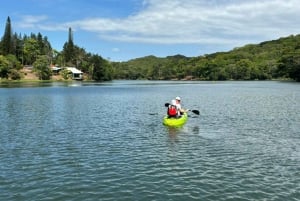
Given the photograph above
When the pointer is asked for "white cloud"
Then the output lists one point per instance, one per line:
(115, 49)
(30, 21)
(40, 22)
(195, 22)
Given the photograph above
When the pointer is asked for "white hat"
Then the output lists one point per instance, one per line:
(177, 98)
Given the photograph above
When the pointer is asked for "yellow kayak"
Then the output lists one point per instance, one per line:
(175, 122)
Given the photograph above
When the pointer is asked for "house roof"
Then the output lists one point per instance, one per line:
(55, 68)
(74, 70)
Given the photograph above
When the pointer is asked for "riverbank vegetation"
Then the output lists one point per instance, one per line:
(276, 59)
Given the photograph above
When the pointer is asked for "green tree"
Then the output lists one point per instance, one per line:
(44, 46)
(31, 50)
(19, 47)
(58, 58)
(290, 67)
(7, 43)
(9, 67)
(13, 62)
(243, 68)
(41, 67)
(101, 69)
(65, 73)
(69, 49)
(4, 67)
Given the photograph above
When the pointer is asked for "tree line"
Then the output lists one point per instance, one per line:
(276, 59)
(17, 50)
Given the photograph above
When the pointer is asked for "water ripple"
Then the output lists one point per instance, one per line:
(80, 143)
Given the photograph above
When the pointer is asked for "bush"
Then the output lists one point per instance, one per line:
(15, 75)
(65, 73)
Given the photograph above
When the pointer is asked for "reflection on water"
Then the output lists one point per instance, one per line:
(173, 133)
(177, 135)
(195, 130)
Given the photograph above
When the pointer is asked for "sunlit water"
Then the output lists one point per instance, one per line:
(88, 141)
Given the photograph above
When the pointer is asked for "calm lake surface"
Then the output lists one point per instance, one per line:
(92, 141)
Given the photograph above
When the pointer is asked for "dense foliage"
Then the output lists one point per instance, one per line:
(277, 59)
(35, 50)
(40, 66)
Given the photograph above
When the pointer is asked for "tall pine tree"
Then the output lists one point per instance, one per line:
(69, 49)
(7, 42)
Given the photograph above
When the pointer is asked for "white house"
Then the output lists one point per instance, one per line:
(76, 74)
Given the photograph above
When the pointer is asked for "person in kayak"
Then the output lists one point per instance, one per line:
(172, 110)
(178, 105)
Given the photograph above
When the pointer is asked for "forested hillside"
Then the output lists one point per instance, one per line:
(276, 59)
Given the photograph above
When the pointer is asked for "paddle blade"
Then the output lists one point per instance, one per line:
(196, 112)
(167, 104)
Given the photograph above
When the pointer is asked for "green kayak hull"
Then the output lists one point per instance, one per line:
(175, 121)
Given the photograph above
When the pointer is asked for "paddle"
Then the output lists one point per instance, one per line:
(194, 111)
(197, 112)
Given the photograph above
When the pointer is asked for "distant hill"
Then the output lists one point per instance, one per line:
(276, 59)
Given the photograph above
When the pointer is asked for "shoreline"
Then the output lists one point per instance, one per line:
(84, 80)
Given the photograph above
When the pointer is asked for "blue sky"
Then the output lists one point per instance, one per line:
(121, 30)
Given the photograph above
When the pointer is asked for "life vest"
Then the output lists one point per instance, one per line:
(172, 111)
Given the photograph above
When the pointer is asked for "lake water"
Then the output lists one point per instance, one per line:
(105, 141)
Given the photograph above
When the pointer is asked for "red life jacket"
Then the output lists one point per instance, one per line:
(172, 111)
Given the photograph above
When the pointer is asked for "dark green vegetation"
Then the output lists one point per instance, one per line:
(17, 51)
(277, 59)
